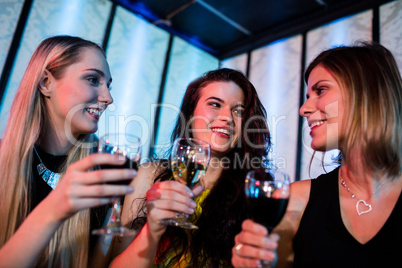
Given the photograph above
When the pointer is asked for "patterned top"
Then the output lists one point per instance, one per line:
(183, 263)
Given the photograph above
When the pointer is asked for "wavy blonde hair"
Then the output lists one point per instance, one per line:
(69, 246)
(372, 89)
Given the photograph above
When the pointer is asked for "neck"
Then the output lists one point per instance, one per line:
(55, 143)
(358, 180)
(213, 172)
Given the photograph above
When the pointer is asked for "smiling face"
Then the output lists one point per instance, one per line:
(324, 109)
(77, 99)
(217, 117)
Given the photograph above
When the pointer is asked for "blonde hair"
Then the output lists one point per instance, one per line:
(372, 89)
(69, 246)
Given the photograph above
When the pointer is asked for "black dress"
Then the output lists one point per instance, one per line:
(322, 240)
(40, 189)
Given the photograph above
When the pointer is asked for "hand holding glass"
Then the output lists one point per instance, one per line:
(128, 147)
(267, 193)
(189, 161)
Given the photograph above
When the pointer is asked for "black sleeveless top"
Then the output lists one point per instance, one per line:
(322, 240)
(40, 189)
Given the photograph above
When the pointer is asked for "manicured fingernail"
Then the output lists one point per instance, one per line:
(190, 211)
(130, 189)
(193, 204)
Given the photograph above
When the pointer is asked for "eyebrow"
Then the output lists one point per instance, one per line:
(220, 100)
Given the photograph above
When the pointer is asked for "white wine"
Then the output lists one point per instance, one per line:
(188, 173)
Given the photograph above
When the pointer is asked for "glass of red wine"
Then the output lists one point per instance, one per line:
(267, 193)
(189, 161)
(129, 148)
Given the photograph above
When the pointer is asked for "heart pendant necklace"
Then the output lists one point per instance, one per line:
(362, 207)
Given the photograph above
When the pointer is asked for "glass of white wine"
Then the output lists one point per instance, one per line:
(189, 161)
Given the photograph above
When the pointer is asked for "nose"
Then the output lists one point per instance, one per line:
(105, 96)
(226, 115)
(307, 108)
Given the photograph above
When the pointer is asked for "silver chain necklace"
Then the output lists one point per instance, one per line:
(50, 177)
(362, 207)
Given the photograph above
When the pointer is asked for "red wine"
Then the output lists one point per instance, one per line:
(267, 211)
(128, 164)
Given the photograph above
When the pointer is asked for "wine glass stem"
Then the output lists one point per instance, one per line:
(116, 211)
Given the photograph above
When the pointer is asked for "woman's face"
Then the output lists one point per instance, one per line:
(217, 117)
(79, 97)
(324, 109)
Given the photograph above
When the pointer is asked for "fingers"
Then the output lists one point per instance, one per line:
(99, 191)
(252, 245)
(172, 190)
(239, 261)
(256, 235)
(197, 189)
(78, 171)
(117, 176)
(97, 159)
(165, 199)
(253, 227)
(171, 196)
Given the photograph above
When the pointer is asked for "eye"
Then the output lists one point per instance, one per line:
(93, 80)
(215, 104)
(239, 112)
(318, 91)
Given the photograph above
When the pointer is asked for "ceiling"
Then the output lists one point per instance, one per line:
(225, 28)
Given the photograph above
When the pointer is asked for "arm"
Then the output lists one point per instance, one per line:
(77, 190)
(257, 246)
(133, 203)
(164, 200)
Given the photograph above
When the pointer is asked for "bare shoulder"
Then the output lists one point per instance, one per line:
(299, 193)
(299, 196)
(146, 176)
(144, 180)
(287, 228)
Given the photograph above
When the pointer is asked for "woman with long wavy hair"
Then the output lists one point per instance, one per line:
(46, 190)
(222, 108)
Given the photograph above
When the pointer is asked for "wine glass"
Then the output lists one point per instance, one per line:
(129, 148)
(189, 161)
(267, 193)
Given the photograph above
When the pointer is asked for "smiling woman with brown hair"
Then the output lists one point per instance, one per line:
(216, 108)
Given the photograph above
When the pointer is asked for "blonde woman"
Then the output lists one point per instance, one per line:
(46, 188)
(351, 216)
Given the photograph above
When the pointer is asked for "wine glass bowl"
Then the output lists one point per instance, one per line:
(267, 193)
(189, 161)
(127, 147)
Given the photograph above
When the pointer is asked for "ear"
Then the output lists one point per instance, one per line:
(45, 84)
